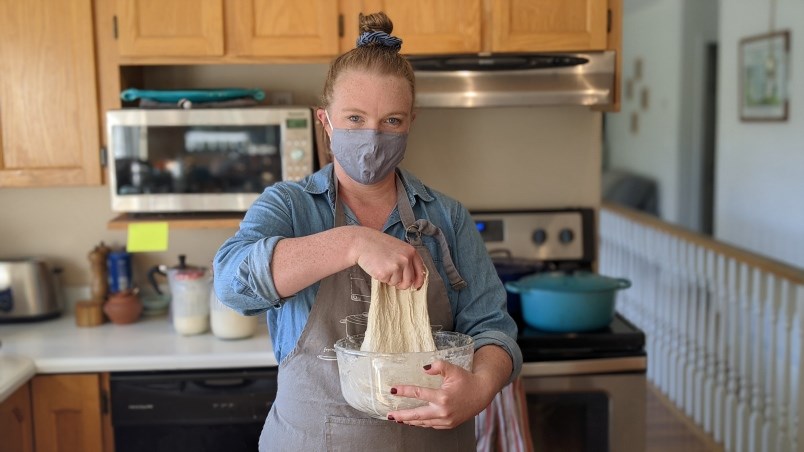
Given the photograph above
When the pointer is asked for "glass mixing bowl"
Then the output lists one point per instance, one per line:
(367, 377)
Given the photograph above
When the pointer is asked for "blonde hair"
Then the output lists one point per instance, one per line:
(376, 57)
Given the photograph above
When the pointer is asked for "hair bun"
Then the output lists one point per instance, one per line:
(379, 38)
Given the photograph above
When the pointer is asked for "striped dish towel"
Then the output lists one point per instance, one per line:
(503, 426)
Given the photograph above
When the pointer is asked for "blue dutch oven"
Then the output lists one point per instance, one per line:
(568, 302)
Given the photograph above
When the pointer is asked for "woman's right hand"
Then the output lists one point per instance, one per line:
(389, 259)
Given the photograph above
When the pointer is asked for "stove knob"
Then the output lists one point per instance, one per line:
(539, 236)
(565, 236)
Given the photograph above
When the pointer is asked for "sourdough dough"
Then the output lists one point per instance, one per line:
(398, 321)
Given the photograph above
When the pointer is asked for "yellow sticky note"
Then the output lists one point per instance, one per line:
(147, 237)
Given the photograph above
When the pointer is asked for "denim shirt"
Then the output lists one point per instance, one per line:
(243, 279)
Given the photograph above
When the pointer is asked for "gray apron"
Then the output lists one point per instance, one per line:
(309, 412)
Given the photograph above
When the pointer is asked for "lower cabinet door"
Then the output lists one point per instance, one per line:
(16, 428)
(67, 413)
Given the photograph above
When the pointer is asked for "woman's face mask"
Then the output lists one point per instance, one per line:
(367, 155)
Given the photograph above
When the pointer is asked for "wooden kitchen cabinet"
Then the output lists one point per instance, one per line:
(237, 31)
(49, 133)
(68, 413)
(283, 28)
(170, 28)
(155, 31)
(16, 423)
(433, 26)
(473, 26)
(548, 25)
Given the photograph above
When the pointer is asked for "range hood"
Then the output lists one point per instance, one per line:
(467, 81)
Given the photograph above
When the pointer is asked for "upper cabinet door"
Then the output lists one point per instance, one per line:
(433, 26)
(548, 25)
(170, 28)
(283, 28)
(49, 132)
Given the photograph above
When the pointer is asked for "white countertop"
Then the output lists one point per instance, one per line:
(59, 346)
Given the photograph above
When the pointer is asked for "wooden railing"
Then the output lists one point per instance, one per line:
(724, 328)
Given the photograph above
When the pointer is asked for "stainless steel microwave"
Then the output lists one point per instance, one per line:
(204, 160)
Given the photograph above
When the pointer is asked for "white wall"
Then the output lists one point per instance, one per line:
(699, 28)
(651, 32)
(759, 201)
(509, 158)
(670, 38)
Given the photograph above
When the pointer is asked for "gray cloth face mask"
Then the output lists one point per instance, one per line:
(367, 155)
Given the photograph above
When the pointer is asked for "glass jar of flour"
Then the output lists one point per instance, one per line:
(189, 296)
(227, 323)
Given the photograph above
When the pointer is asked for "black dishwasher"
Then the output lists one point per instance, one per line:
(198, 410)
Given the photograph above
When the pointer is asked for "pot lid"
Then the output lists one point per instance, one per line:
(185, 271)
(570, 282)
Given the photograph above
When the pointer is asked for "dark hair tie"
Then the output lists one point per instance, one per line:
(379, 37)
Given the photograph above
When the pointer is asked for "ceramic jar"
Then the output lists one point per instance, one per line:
(228, 324)
(123, 307)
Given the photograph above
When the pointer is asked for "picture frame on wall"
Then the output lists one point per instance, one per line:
(763, 79)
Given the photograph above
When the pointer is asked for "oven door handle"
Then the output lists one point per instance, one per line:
(585, 366)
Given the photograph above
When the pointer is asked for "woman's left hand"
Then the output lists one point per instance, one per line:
(462, 395)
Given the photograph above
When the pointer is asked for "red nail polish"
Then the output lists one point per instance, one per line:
(427, 366)
(399, 422)
(390, 418)
(393, 391)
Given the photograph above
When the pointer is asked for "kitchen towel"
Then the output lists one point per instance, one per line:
(503, 426)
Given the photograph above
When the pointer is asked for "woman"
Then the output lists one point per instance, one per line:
(306, 252)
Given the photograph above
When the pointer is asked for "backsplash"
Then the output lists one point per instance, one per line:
(486, 158)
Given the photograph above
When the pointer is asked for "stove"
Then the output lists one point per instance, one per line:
(583, 391)
(620, 339)
(524, 242)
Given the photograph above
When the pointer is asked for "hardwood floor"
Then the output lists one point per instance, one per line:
(669, 430)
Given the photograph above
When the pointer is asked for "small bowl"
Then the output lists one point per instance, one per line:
(155, 304)
(367, 377)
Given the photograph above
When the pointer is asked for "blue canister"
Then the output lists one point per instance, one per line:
(118, 266)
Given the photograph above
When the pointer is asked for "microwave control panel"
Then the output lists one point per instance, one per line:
(297, 152)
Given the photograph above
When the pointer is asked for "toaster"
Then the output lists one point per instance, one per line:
(30, 290)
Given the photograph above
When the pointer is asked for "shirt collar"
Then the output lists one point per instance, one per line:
(322, 182)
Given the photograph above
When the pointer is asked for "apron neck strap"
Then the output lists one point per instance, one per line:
(340, 216)
(403, 206)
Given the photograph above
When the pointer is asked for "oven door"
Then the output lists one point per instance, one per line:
(586, 413)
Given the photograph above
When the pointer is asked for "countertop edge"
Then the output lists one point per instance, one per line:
(15, 371)
(154, 363)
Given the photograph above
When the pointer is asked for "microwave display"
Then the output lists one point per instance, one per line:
(296, 123)
(204, 160)
(196, 159)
